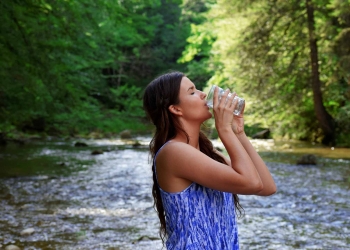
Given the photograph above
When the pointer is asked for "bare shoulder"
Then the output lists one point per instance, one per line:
(178, 155)
(176, 147)
(175, 151)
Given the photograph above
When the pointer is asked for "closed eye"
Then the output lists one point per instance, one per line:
(192, 90)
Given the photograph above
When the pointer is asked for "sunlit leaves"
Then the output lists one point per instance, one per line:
(263, 46)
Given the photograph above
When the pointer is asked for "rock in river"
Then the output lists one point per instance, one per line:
(125, 134)
(12, 247)
(307, 159)
(27, 231)
(97, 152)
(80, 144)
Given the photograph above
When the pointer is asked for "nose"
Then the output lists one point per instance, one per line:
(203, 95)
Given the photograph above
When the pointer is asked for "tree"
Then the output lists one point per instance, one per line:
(324, 118)
(196, 56)
(265, 45)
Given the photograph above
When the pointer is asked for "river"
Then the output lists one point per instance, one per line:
(67, 198)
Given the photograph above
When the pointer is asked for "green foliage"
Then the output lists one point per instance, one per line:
(76, 66)
(262, 47)
(196, 56)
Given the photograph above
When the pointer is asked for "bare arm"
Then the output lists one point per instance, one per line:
(179, 161)
(224, 123)
(269, 186)
(265, 175)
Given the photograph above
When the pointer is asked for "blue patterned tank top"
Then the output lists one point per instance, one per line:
(199, 218)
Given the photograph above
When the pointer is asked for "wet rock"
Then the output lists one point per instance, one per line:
(80, 144)
(39, 223)
(286, 146)
(125, 134)
(136, 144)
(12, 247)
(27, 231)
(97, 152)
(145, 237)
(265, 134)
(308, 159)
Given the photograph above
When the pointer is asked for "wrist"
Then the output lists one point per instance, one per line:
(224, 130)
(241, 134)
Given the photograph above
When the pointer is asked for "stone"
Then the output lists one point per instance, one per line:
(125, 134)
(308, 159)
(97, 152)
(27, 231)
(286, 146)
(12, 247)
(80, 144)
(136, 144)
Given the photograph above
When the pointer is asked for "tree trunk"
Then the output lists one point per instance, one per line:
(325, 120)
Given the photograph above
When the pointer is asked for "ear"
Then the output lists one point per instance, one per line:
(175, 110)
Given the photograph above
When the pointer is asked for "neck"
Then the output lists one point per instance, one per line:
(193, 133)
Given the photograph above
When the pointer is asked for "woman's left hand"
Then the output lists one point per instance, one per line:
(238, 121)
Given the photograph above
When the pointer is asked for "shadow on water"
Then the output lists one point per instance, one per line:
(71, 199)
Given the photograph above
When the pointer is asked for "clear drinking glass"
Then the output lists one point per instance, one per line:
(210, 97)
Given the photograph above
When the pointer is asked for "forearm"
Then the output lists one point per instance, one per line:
(264, 173)
(241, 162)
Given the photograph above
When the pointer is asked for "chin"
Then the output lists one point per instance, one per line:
(209, 116)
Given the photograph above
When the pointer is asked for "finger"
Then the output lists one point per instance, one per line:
(234, 103)
(232, 99)
(223, 100)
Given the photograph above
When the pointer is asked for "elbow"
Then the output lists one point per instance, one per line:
(272, 190)
(268, 191)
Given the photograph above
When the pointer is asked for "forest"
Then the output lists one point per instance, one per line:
(78, 68)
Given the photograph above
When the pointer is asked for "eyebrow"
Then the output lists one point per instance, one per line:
(191, 88)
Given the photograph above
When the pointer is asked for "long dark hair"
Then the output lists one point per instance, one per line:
(158, 96)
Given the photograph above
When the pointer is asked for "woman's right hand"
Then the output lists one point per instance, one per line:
(223, 110)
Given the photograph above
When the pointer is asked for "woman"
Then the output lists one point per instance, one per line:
(194, 183)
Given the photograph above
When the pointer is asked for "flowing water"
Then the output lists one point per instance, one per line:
(71, 199)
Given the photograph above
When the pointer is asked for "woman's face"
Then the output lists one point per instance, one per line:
(192, 102)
